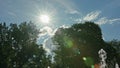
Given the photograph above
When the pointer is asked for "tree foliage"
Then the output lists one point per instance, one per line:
(79, 46)
(18, 48)
(116, 44)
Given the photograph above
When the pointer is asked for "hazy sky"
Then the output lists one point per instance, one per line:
(106, 13)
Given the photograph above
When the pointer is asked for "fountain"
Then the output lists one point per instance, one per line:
(103, 55)
(116, 65)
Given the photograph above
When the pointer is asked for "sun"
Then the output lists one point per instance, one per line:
(45, 18)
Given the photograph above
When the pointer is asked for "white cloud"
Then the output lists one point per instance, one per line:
(46, 31)
(64, 26)
(105, 20)
(72, 11)
(92, 16)
(114, 20)
(50, 47)
(48, 44)
(79, 20)
(101, 21)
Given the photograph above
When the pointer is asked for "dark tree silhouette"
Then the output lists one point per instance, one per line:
(79, 46)
(116, 44)
(18, 47)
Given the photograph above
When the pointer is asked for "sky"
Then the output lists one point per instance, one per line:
(64, 13)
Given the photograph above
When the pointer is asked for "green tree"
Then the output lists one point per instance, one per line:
(78, 46)
(116, 44)
(18, 47)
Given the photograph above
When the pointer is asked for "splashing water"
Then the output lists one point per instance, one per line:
(48, 67)
(103, 56)
(116, 65)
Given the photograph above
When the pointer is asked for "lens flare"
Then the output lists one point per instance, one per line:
(68, 42)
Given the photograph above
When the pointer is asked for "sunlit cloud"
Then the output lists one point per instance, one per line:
(46, 31)
(95, 16)
(92, 16)
(105, 20)
(114, 20)
(101, 21)
(46, 35)
(79, 20)
(64, 26)
(50, 33)
(72, 12)
(49, 45)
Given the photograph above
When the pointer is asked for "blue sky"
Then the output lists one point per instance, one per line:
(64, 12)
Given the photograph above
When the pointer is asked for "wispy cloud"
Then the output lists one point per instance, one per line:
(95, 16)
(68, 6)
(48, 43)
(72, 11)
(101, 21)
(46, 31)
(12, 14)
(92, 16)
(114, 20)
(49, 46)
(105, 20)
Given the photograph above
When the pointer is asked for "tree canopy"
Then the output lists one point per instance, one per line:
(18, 48)
(79, 46)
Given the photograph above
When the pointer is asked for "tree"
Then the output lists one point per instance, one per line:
(116, 44)
(18, 47)
(79, 45)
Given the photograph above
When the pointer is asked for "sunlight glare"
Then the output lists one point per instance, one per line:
(44, 18)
